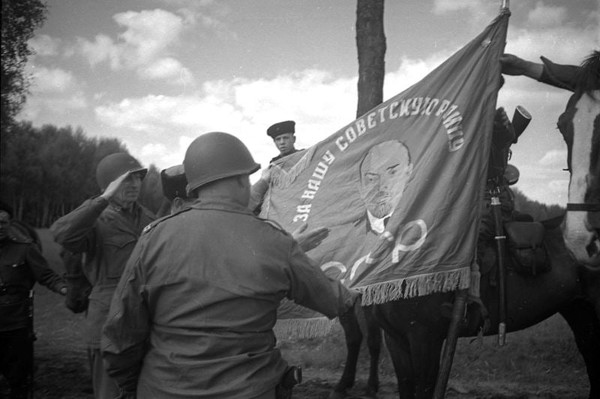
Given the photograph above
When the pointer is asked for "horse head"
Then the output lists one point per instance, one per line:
(580, 126)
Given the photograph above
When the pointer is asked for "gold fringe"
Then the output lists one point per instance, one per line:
(411, 287)
(290, 329)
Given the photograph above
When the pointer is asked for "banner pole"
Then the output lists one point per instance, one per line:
(500, 238)
(458, 311)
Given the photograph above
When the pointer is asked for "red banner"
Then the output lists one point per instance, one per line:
(401, 186)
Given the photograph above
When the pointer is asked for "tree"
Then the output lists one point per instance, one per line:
(371, 46)
(48, 171)
(20, 18)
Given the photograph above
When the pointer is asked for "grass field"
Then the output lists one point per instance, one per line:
(540, 362)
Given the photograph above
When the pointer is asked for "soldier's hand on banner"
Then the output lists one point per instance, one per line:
(310, 239)
(512, 65)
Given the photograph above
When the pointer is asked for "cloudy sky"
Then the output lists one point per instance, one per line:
(158, 73)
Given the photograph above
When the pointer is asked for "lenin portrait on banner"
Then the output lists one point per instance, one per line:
(384, 172)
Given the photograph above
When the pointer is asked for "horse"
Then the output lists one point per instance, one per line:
(415, 329)
(580, 127)
(354, 323)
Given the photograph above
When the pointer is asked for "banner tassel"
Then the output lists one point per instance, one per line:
(420, 285)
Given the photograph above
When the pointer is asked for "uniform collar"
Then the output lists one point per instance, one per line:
(223, 204)
(117, 208)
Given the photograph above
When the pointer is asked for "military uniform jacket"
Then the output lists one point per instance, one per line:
(107, 234)
(21, 265)
(194, 313)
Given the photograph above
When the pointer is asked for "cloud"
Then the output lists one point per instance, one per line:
(101, 49)
(162, 156)
(52, 80)
(443, 6)
(543, 15)
(553, 192)
(206, 13)
(44, 45)
(57, 106)
(143, 47)
(410, 72)
(168, 69)
(147, 34)
(553, 158)
(316, 100)
(559, 186)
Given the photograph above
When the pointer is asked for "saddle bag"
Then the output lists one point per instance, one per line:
(526, 247)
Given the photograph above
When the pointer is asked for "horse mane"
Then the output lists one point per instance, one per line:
(589, 75)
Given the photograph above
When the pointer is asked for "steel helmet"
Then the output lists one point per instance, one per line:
(214, 156)
(114, 165)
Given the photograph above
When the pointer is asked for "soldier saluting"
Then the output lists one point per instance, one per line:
(106, 228)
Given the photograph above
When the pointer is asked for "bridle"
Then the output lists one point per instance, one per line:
(583, 207)
(568, 137)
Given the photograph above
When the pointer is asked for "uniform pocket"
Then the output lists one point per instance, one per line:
(117, 249)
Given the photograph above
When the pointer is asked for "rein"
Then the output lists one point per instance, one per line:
(585, 207)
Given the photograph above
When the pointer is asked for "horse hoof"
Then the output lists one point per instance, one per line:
(337, 395)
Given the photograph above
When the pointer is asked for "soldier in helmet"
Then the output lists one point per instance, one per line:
(21, 266)
(106, 228)
(174, 185)
(193, 315)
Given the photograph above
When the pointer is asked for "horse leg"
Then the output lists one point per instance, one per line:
(353, 335)
(401, 359)
(581, 317)
(425, 348)
(374, 345)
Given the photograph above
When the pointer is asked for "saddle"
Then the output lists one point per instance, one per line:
(525, 246)
(525, 251)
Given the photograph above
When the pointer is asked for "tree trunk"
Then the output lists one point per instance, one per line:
(371, 46)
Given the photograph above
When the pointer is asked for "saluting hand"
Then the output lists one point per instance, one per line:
(114, 186)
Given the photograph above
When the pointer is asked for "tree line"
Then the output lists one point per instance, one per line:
(49, 171)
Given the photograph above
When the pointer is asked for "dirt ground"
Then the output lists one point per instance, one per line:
(541, 362)
(549, 369)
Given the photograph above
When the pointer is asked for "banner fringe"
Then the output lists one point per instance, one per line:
(316, 327)
(420, 285)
